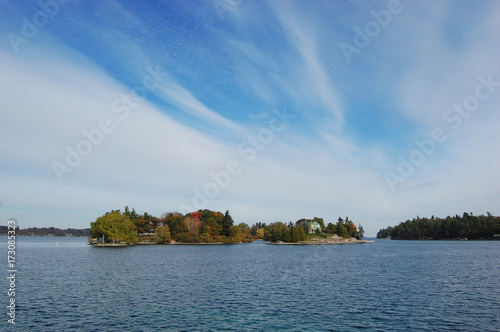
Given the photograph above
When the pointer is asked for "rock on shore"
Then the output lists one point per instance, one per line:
(334, 239)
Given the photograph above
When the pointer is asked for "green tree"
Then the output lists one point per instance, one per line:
(213, 227)
(274, 231)
(131, 214)
(294, 234)
(302, 234)
(174, 221)
(465, 226)
(227, 223)
(162, 234)
(304, 224)
(341, 231)
(234, 235)
(115, 227)
(285, 236)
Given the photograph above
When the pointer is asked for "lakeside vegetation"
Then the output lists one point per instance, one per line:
(203, 226)
(466, 226)
(302, 229)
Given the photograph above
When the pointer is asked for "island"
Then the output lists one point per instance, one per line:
(47, 231)
(314, 232)
(116, 229)
(465, 227)
(315, 239)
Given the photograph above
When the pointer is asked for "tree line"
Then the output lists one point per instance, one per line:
(457, 227)
(203, 226)
(47, 231)
(300, 230)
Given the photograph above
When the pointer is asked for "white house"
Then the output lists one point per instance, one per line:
(313, 226)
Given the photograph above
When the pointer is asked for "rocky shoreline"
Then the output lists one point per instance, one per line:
(150, 243)
(334, 239)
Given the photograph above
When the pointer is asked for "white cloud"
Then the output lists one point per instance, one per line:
(147, 155)
(303, 35)
(184, 99)
(153, 163)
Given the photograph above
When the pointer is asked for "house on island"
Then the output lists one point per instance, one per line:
(313, 226)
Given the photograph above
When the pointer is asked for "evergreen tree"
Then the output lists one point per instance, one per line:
(361, 232)
(286, 235)
(227, 222)
(341, 231)
(294, 234)
(302, 234)
(465, 226)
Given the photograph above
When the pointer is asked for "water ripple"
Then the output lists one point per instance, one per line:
(388, 285)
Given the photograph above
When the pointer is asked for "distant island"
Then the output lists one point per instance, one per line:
(465, 227)
(116, 228)
(314, 231)
(48, 231)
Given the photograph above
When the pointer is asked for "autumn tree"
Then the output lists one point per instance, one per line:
(210, 228)
(352, 230)
(193, 223)
(114, 226)
(174, 221)
(260, 233)
(234, 235)
(162, 234)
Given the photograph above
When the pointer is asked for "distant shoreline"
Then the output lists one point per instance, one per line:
(59, 236)
(456, 239)
(47, 231)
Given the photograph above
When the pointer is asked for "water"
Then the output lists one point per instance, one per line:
(65, 285)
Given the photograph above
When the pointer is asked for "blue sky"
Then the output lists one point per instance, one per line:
(251, 106)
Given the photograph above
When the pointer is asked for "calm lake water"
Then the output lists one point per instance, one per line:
(65, 285)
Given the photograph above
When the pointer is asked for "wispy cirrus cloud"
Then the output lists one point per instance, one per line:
(190, 104)
(222, 81)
